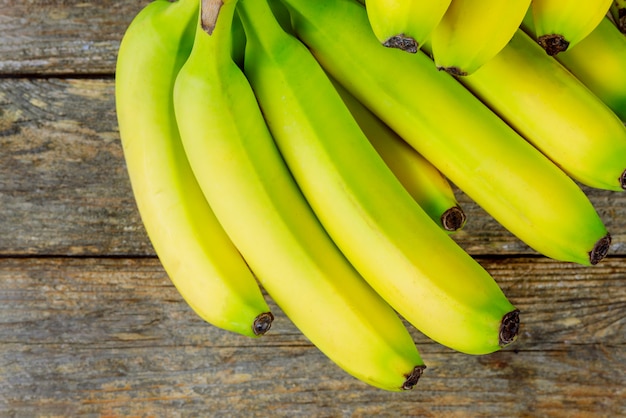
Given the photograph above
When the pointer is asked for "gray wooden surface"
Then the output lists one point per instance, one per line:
(91, 326)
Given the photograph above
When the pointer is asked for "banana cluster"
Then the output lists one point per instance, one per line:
(294, 147)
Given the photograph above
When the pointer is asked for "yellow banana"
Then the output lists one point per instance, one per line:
(405, 256)
(405, 24)
(428, 187)
(244, 178)
(521, 188)
(559, 25)
(599, 61)
(192, 246)
(618, 13)
(553, 110)
(474, 31)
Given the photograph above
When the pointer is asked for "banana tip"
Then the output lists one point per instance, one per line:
(553, 43)
(600, 250)
(402, 42)
(453, 219)
(262, 323)
(509, 328)
(413, 377)
(622, 180)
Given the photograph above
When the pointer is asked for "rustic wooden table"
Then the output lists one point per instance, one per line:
(91, 326)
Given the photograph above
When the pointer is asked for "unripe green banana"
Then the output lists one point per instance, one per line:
(599, 61)
(560, 25)
(426, 185)
(192, 246)
(555, 111)
(509, 178)
(405, 24)
(246, 181)
(405, 256)
(474, 31)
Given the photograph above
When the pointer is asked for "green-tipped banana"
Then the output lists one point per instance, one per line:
(405, 256)
(553, 110)
(405, 24)
(260, 206)
(496, 167)
(618, 13)
(191, 244)
(474, 31)
(559, 25)
(599, 61)
(428, 187)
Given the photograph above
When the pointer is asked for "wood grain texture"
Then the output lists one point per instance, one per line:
(62, 37)
(65, 190)
(111, 337)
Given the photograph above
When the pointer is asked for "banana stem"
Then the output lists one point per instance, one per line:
(209, 12)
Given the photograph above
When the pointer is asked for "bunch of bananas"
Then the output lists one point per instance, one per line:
(277, 145)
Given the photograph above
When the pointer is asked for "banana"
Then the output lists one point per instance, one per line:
(192, 246)
(474, 31)
(599, 61)
(555, 111)
(428, 187)
(405, 256)
(559, 25)
(618, 13)
(244, 178)
(405, 24)
(510, 179)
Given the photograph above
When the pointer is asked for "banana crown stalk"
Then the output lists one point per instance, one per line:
(253, 194)
(192, 246)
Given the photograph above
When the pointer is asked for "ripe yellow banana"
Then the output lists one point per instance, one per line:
(428, 187)
(555, 111)
(405, 24)
(521, 188)
(192, 246)
(618, 13)
(244, 178)
(559, 25)
(599, 61)
(405, 256)
(474, 31)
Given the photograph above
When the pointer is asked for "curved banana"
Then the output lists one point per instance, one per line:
(474, 31)
(405, 256)
(599, 61)
(426, 185)
(260, 206)
(618, 13)
(510, 179)
(404, 24)
(555, 111)
(559, 25)
(191, 244)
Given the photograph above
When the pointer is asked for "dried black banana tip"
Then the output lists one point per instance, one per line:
(453, 219)
(600, 250)
(262, 323)
(402, 42)
(509, 328)
(553, 44)
(622, 180)
(413, 377)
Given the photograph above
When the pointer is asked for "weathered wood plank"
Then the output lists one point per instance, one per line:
(63, 37)
(111, 337)
(64, 188)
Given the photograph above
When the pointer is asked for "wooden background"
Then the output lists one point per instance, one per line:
(91, 326)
